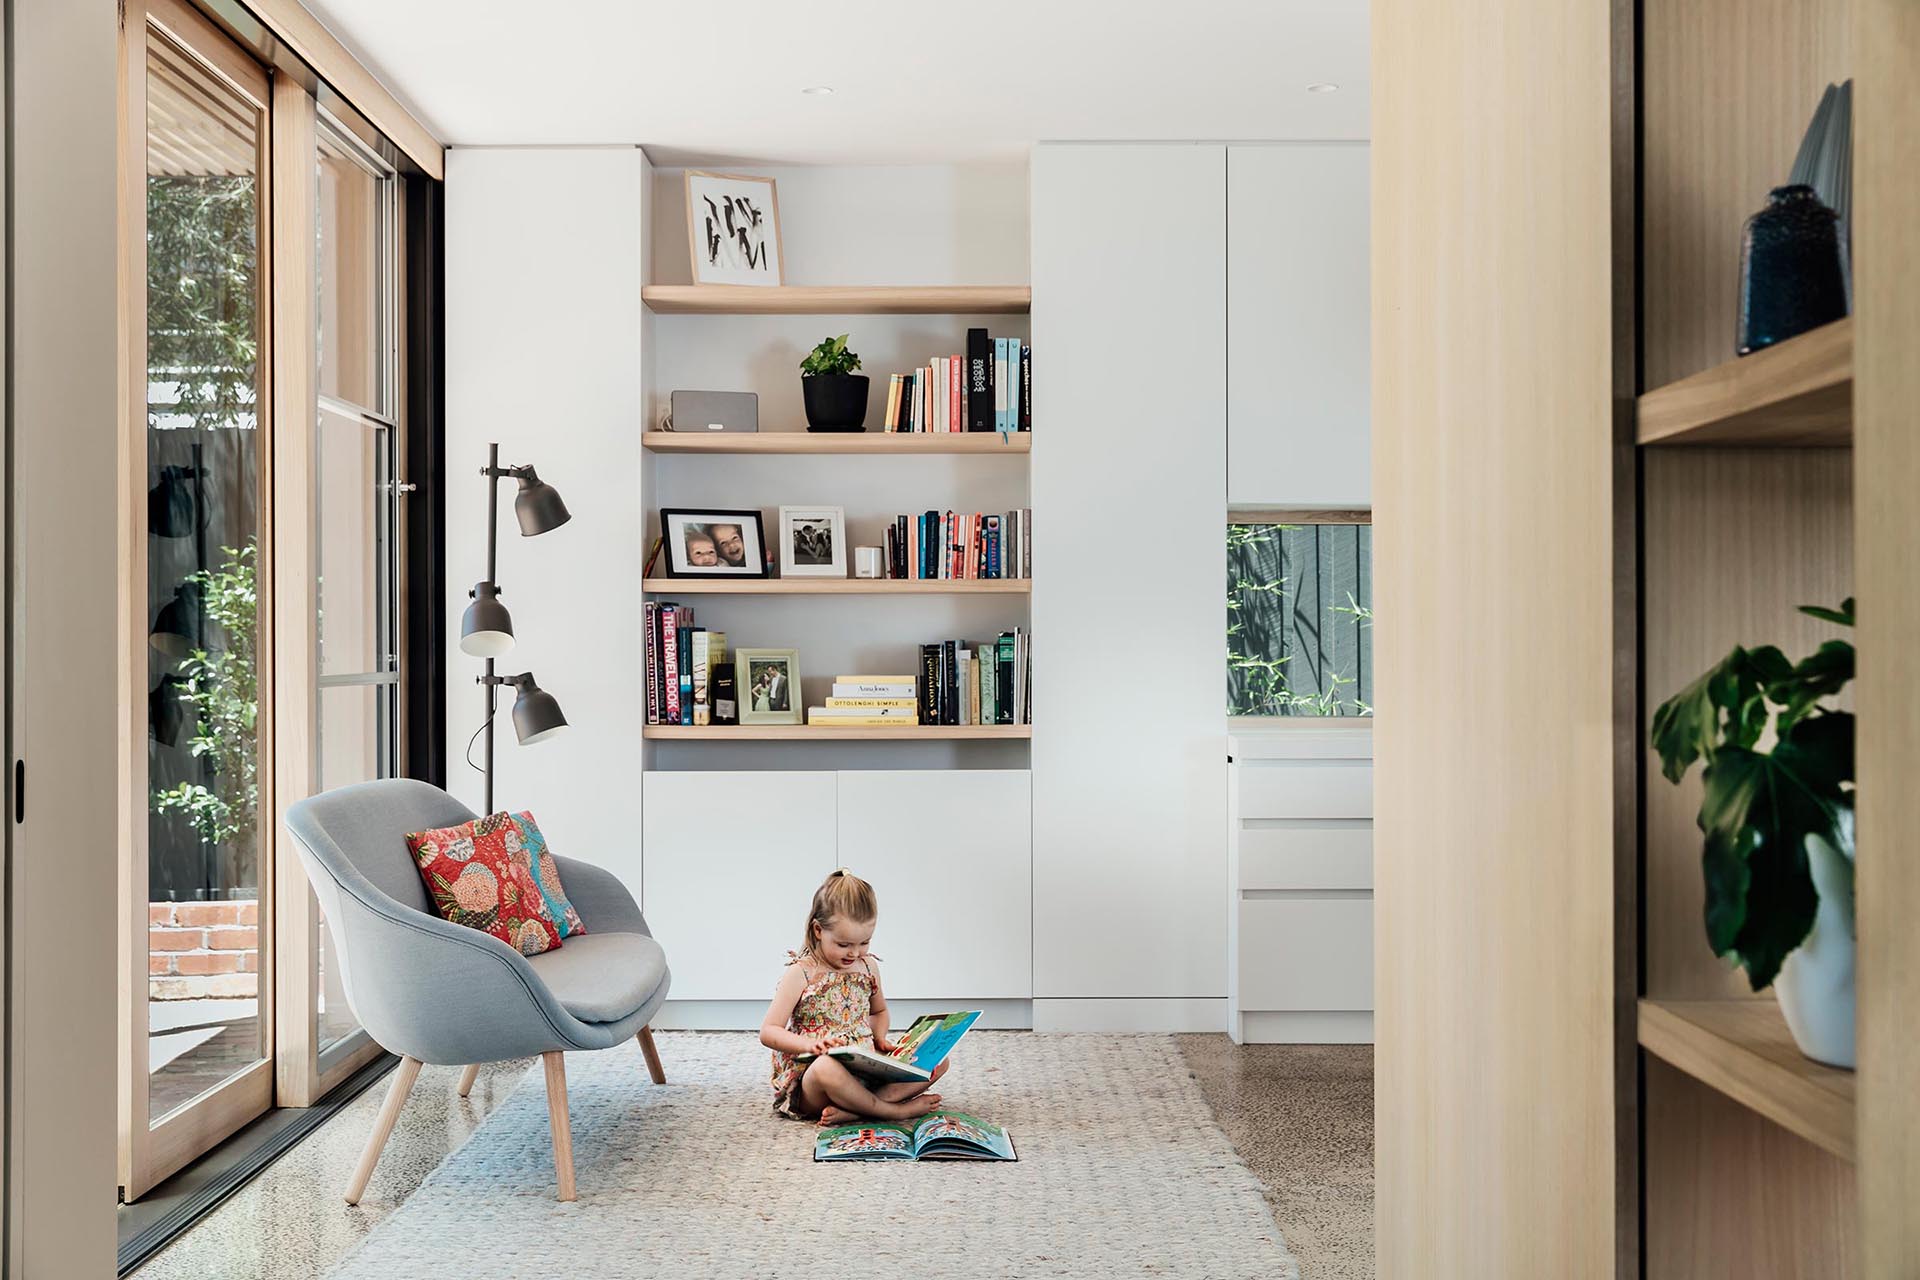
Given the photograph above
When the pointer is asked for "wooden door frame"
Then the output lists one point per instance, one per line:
(150, 1152)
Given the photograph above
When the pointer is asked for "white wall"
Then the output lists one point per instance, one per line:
(1129, 475)
(64, 424)
(545, 257)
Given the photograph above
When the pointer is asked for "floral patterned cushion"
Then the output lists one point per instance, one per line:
(478, 875)
(546, 874)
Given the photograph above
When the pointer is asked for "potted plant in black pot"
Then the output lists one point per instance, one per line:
(836, 396)
(1776, 814)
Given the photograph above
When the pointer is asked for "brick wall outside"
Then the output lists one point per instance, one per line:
(203, 950)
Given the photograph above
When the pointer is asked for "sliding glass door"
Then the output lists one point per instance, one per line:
(198, 1029)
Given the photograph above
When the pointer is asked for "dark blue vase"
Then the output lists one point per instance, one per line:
(1791, 275)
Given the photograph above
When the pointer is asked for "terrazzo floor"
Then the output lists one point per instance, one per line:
(1301, 1116)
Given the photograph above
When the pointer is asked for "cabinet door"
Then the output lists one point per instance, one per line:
(1297, 325)
(1129, 669)
(949, 854)
(731, 861)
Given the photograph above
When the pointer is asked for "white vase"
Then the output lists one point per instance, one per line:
(1815, 985)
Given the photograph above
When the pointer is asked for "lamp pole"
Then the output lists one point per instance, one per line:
(493, 549)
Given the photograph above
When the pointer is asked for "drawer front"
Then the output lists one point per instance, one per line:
(1306, 953)
(1306, 789)
(1307, 853)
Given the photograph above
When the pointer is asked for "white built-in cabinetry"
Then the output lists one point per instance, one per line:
(1300, 877)
(1297, 325)
(1129, 473)
(733, 858)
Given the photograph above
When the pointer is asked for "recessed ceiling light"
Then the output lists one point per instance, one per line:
(1322, 86)
(818, 90)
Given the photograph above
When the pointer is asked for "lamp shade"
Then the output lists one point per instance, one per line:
(538, 504)
(536, 715)
(177, 631)
(172, 508)
(486, 631)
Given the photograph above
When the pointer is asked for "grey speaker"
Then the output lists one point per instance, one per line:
(696, 411)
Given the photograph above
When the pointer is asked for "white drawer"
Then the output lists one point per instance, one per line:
(1306, 953)
(1306, 789)
(1307, 853)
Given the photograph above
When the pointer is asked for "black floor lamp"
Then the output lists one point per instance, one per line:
(487, 629)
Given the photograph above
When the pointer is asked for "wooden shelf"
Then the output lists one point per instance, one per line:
(1796, 394)
(1742, 1048)
(839, 586)
(849, 300)
(825, 733)
(848, 442)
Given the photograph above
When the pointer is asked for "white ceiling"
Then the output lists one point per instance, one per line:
(960, 80)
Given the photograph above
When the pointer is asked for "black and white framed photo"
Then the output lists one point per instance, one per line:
(709, 543)
(767, 684)
(733, 229)
(813, 542)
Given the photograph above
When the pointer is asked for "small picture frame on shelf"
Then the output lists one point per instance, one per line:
(767, 686)
(733, 229)
(709, 543)
(813, 542)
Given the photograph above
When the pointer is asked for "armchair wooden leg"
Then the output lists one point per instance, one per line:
(467, 1077)
(403, 1078)
(654, 1068)
(556, 1064)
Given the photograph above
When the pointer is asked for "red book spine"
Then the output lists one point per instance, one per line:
(670, 665)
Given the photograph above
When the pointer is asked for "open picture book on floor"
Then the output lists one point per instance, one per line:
(938, 1135)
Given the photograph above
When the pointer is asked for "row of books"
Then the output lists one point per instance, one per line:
(689, 679)
(986, 682)
(949, 544)
(988, 389)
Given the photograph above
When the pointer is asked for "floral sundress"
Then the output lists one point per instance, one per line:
(836, 1003)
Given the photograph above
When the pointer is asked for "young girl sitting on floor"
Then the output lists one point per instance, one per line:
(830, 995)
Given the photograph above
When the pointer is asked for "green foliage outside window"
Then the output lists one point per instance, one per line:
(222, 686)
(1299, 620)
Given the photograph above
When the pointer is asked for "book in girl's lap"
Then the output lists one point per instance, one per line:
(830, 996)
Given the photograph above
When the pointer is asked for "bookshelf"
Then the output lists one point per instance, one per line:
(849, 444)
(840, 733)
(836, 300)
(837, 625)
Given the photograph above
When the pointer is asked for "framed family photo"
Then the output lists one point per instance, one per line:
(713, 544)
(733, 229)
(813, 542)
(767, 683)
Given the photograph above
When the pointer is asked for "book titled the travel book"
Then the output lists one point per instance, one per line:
(938, 1135)
(922, 1047)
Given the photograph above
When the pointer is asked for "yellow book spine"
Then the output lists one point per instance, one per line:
(858, 721)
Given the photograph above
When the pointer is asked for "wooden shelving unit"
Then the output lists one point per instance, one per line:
(1742, 1048)
(838, 300)
(1796, 394)
(852, 443)
(826, 733)
(839, 586)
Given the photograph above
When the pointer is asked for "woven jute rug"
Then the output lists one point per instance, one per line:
(1122, 1172)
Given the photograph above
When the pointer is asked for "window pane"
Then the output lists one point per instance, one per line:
(351, 264)
(352, 491)
(1299, 620)
(204, 828)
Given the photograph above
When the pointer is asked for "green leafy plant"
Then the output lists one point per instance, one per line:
(1760, 806)
(1288, 655)
(222, 687)
(831, 356)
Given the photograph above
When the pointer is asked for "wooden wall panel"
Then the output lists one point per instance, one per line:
(1494, 505)
(1734, 541)
(1731, 1194)
(1887, 533)
(1728, 88)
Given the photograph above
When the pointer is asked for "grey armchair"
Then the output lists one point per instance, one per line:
(436, 992)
